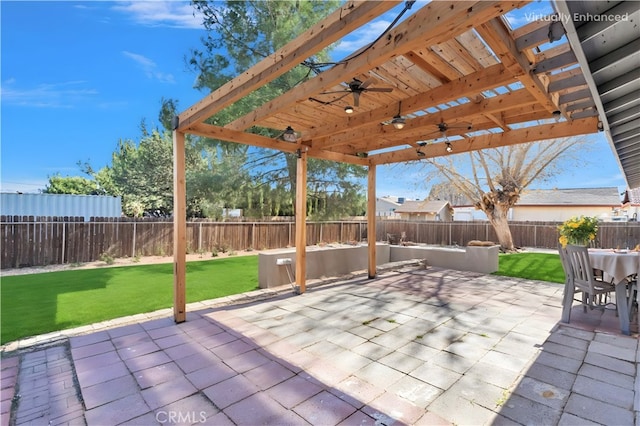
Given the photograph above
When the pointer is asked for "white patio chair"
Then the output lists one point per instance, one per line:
(584, 279)
(569, 288)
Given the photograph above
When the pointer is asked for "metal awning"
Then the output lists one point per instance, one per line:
(605, 37)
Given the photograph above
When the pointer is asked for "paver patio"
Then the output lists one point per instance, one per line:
(412, 346)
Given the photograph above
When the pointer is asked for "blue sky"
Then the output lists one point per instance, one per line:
(76, 77)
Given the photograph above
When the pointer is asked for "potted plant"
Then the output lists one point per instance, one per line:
(578, 230)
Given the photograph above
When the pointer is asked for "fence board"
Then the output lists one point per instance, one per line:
(36, 241)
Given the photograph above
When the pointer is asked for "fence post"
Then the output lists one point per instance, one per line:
(133, 244)
(199, 237)
(64, 239)
(253, 235)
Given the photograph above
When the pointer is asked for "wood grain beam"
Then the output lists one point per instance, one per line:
(433, 23)
(301, 222)
(221, 133)
(224, 134)
(429, 62)
(179, 228)
(496, 34)
(394, 138)
(494, 140)
(346, 19)
(371, 221)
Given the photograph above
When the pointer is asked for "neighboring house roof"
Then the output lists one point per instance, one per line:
(565, 196)
(390, 200)
(431, 207)
(632, 196)
(570, 196)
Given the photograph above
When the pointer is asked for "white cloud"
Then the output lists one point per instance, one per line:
(47, 95)
(361, 37)
(150, 67)
(175, 14)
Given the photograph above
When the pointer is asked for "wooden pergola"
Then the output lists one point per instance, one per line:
(462, 80)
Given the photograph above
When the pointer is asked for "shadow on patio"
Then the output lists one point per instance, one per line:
(415, 346)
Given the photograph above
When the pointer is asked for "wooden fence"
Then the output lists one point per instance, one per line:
(37, 241)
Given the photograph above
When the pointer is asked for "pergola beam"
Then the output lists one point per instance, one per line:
(493, 140)
(222, 133)
(497, 36)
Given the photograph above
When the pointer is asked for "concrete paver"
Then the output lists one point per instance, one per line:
(414, 347)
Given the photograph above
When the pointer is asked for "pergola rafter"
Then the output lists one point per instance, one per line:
(456, 70)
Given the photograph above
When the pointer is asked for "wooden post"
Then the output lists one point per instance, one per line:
(179, 228)
(301, 221)
(371, 219)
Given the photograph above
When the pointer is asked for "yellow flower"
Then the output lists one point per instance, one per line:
(563, 240)
(578, 230)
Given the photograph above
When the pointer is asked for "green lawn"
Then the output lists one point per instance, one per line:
(533, 266)
(41, 303)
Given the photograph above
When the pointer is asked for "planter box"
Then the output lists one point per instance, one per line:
(322, 262)
(277, 267)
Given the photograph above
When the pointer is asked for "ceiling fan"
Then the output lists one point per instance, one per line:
(442, 131)
(443, 127)
(357, 86)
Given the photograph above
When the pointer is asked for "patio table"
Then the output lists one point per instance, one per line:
(619, 265)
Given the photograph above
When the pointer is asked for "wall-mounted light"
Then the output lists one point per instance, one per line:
(449, 147)
(556, 115)
(289, 135)
(420, 153)
(348, 109)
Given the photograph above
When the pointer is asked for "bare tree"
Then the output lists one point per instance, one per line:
(493, 179)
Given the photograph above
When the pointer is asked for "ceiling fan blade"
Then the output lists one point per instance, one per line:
(368, 82)
(335, 91)
(463, 125)
(380, 89)
(356, 99)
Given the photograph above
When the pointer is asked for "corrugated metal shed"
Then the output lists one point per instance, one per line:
(605, 37)
(86, 206)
